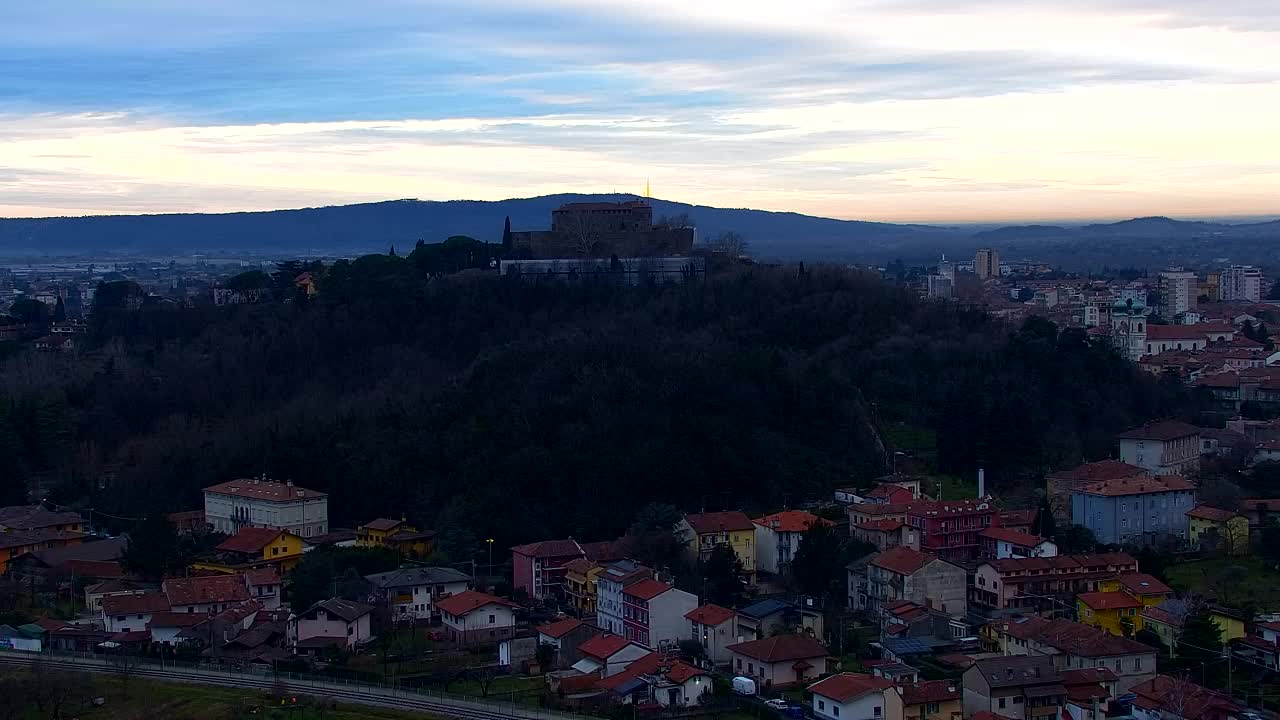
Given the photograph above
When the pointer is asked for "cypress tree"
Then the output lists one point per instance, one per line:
(506, 235)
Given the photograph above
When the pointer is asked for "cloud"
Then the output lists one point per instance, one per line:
(853, 108)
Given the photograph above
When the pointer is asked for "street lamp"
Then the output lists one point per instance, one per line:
(490, 542)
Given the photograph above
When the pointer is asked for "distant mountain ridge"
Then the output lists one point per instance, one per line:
(375, 227)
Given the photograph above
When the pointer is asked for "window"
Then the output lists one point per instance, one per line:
(875, 711)
(1001, 703)
(275, 551)
(739, 661)
(139, 617)
(1017, 699)
(493, 619)
(822, 705)
(120, 618)
(351, 630)
(835, 710)
(1137, 663)
(931, 709)
(751, 667)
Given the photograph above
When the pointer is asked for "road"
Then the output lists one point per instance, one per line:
(343, 692)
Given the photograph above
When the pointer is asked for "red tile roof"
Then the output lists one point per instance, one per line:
(1143, 584)
(1175, 332)
(582, 566)
(249, 540)
(845, 687)
(465, 602)
(560, 628)
(1100, 470)
(646, 589)
(1193, 701)
(733, 520)
(1161, 615)
(791, 521)
(883, 525)
(202, 590)
(646, 665)
(1204, 512)
(263, 576)
(950, 508)
(901, 560)
(931, 691)
(550, 549)
(264, 490)
(1075, 638)
(682, 672)
(1108, 600)
(605, 550)
(1138, 486)
(1161, 430)
(1018, 518)
(710, 614)
(1016, 537)
(603, 647)
(383, 524)
(780, 648)
(136, 603)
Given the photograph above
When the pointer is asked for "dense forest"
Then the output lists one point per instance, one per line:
(485, 407)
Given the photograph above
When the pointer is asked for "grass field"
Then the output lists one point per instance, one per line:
(1259, 585)
(152, 700)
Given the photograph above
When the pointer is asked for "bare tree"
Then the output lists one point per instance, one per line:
(584, 233)
(15, 696)
(61, 691)
(125, 666)
(731, 244)
(675, 222)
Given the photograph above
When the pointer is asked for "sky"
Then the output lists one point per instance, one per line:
(902, 110)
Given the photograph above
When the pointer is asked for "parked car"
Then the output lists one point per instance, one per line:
(777, 703)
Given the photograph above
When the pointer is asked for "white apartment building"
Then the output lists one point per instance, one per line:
(1178, 289)
(1242, 282)
(258, 502)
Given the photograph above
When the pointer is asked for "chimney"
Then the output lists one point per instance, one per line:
(289, 483)
(982, 483)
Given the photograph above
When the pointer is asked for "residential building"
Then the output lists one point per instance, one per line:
(866, 512)
(656, 680)
(610, 583)
(1166, 447)
(606, 655)
(887, 533)
(255, 547)
(998, 543)
(776, 616)
(566, 636)
(949, 528)
(1168, 698)
(581, 577)
(208, 594)
(1061, 484)
(928, 700)
(472, 617)
(1115, 612)
(540, 568)
(986, 264)
(653, 613)
(257, 502)
(1023, 520)
(94, 593)
(851, 696)
(166, 627)
(778, 536)
(1242, 282)
(1146, 589)
(333, 623)
(703, 532)
(28, 518)
(1073, 645)
(1166, 622)
(398, 535)
(130, 612)
(905, 574)
(780, 661)
(1135, 511)
(1214, 530)
(412, 593)
(1014, 687)
(265, 587)
(16, 543)
(712, 627)
(1178, 291)
(1040, 584)
(1231, 622)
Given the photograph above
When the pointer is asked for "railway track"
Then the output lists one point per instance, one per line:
(371, 696)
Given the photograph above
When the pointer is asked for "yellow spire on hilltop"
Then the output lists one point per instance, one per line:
(646, 188)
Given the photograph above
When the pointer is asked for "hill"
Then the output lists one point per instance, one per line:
(372, 227)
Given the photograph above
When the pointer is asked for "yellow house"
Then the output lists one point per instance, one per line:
(703, 532)
(1218, 530)
(580, 579)
(255, 547)
(927, 699)
(1230, 622)
(1146, 589)
(398, 535)
(1115, 612)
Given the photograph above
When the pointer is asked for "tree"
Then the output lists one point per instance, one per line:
(59, 311)
(1269, 543)
(351, 586)
(732, 244)
(250, 280)
(675, 222)
(692, 650)
(29, 311)
(15, 697)
(1226, 582)
(150, 551)
(1220, 493)
(506, 235)
(546, 656)
(1076, 540)
(1045, 524)
(1200, 642)
(817, 566)
(722, 576)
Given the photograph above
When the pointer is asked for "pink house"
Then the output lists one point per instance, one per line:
(539, 568)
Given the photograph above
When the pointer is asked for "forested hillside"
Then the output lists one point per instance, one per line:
(484, 407)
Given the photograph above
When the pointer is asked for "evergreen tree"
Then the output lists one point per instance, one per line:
(151, 548)
(1045, 524)
(1248, 330)
(1200, 645)
(506, 235)
(722, 577)
(817, 565)
(59, 311)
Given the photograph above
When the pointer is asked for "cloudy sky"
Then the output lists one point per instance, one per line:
(921, 110)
